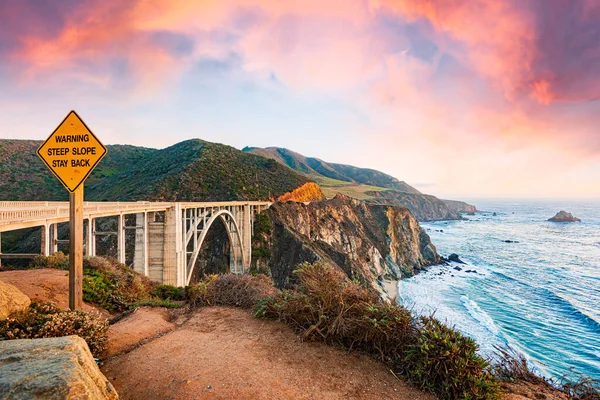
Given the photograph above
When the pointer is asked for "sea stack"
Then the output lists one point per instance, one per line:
(563, 216)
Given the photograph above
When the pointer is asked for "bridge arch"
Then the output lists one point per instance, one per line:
(233, 233)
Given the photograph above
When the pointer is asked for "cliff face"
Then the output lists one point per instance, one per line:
(423, 206)
(367, 242)
(460, 206)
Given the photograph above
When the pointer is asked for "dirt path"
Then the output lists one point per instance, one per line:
(224, 353)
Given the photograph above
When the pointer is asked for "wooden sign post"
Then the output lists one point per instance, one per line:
(71, 152)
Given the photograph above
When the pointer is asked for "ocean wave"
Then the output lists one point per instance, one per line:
(572, 309)
(480, 315)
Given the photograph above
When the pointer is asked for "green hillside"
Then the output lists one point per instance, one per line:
(193, 170)
(366, 184)
(343, 178)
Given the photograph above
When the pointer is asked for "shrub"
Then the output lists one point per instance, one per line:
(47, 320)
(155, 303)
(168, 292)
(327, 307)
(114, 286)
(446, 362)
(241, 290)
(57, 260)
(513, 367)
(584, 388)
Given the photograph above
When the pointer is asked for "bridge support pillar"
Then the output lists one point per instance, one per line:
(121, 238)
(174, 237)
(140, 258)
(89, 238)
(45, 240)
(54, 241)
(93, 237)
(247, 236)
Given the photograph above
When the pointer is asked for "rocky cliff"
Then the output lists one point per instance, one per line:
(460, 206)
(424, 207)
(367, 242)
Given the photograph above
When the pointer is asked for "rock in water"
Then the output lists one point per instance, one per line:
(563, 216)
(54, 368)
(11, 300)
(455, 258)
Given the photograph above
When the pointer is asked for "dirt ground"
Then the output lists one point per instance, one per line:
(142, 324)
(46, 285)
(225, 353)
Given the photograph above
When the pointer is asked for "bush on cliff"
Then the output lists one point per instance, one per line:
(327, 307)
(446, 362)
(112, 285)
(241, 290)
(46, 320)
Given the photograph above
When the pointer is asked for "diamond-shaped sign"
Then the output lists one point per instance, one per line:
(72, 151)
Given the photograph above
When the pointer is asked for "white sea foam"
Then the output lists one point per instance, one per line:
(476, 312)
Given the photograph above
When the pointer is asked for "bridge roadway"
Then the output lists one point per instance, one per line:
(168, 235)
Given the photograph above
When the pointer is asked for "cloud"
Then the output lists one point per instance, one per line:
(545, 49)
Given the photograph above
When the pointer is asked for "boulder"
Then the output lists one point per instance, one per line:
(11, 300)
(455, 258)
(563, 216)
(53, 368)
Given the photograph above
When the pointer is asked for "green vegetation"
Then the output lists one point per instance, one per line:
(446, 362)
(168, 292)
(114, 286)
(330, 175)
(47, 320)
(193, 170)
(260, 240)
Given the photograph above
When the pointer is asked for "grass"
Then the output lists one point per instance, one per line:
(357, 191)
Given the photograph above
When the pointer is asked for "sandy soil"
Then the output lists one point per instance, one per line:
(46, 285)
(142, 324)
(525, 390)
(224, 353)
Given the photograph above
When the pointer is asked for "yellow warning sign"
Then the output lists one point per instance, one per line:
(72, 151)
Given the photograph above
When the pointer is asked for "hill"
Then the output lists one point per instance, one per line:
(366, 184)
(193, 170)
(331, 174)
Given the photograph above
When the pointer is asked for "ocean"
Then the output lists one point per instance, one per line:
(539, 295)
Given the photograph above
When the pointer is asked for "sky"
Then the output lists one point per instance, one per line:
(478, 98)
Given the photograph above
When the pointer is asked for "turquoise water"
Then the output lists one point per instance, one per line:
(540, 296)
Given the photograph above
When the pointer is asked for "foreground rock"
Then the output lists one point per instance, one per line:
(365, 241)
(56, 368)
(563, 216)
(11, 300)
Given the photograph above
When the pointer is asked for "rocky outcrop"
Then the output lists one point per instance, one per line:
(367, 242)
(11, 300)
(308, 192)
(563, 216)
(423, 206)
(460, 206)
(55, 368)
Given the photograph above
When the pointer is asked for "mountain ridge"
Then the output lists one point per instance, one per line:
(366, 184)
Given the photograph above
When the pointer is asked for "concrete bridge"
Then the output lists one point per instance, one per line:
(168, 236)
